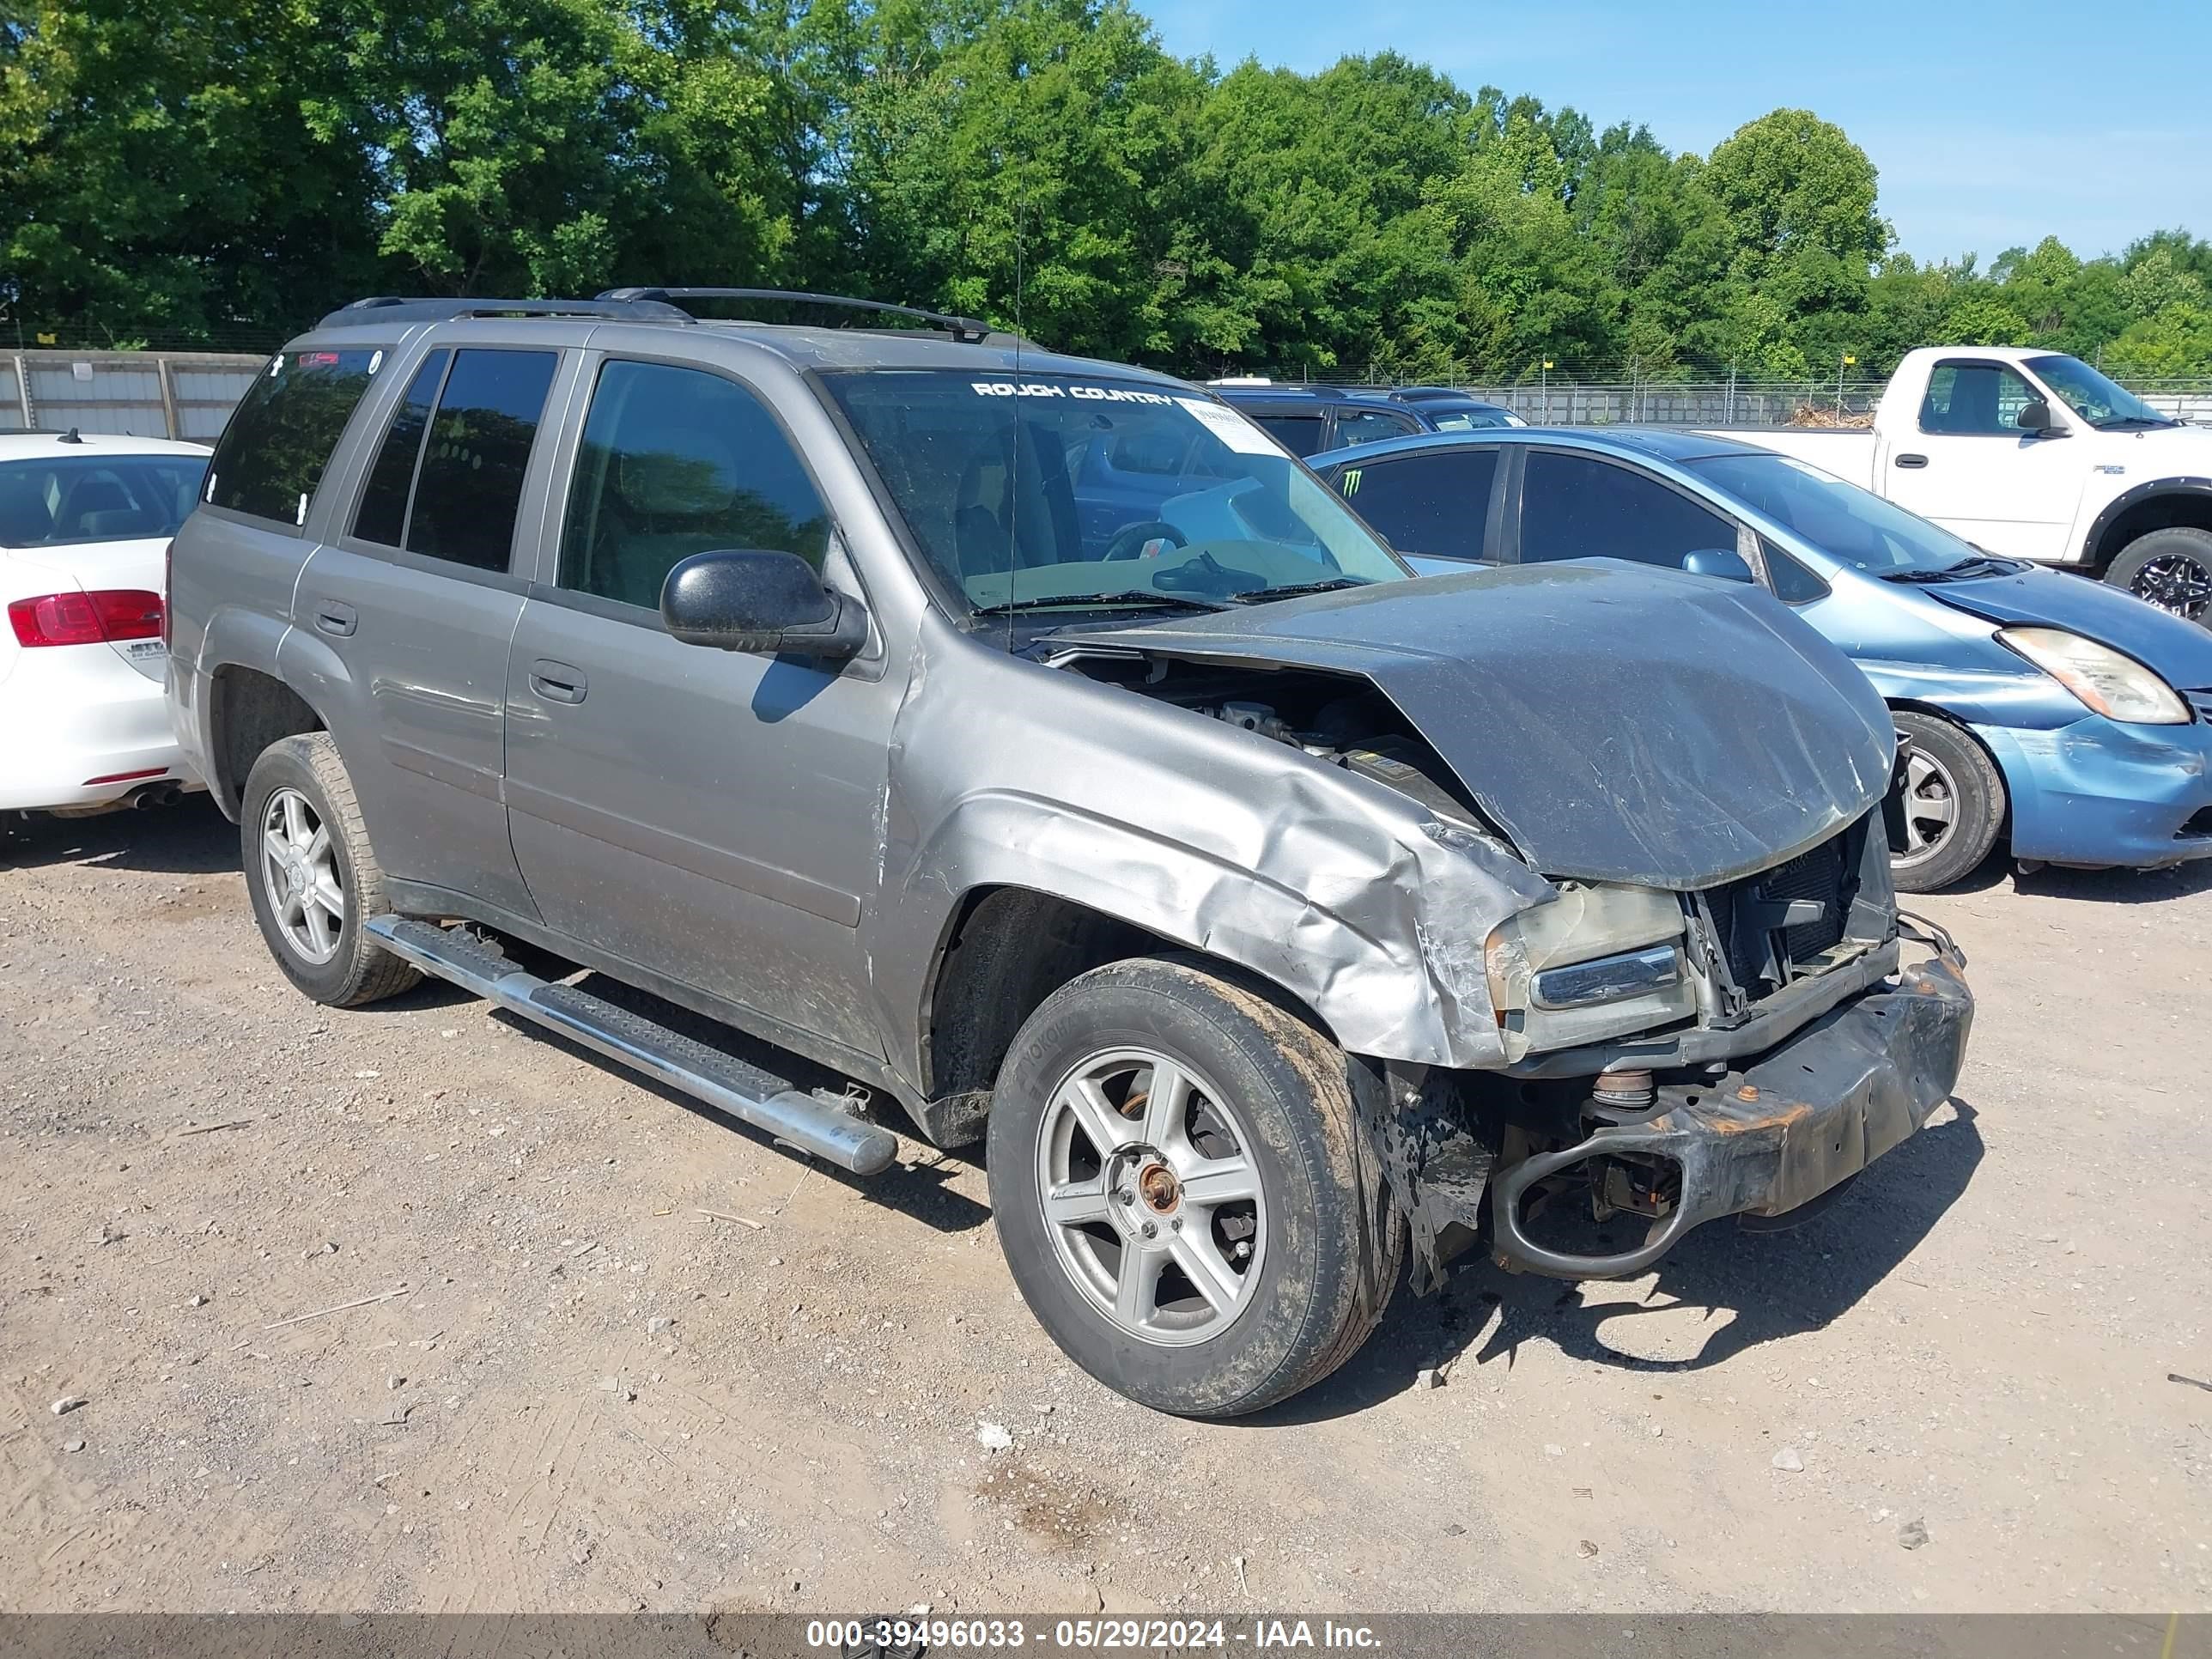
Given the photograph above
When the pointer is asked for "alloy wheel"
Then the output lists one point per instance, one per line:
(1932, 806)
(2177, 583)
(299, 875)
(1151, 1196)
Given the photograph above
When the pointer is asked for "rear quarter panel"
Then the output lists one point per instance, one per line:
(231, 585)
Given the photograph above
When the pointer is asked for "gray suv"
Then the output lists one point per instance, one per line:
(1031, 747)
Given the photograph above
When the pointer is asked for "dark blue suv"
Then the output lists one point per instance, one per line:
(1308, 419)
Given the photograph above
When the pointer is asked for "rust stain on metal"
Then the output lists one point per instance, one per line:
(1729, 1124)
(1157, 1184)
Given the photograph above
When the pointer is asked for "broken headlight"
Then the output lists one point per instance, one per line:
(1601, 960)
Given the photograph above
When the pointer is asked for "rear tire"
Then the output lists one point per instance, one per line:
(2171, 569)
(312, 877)
(1241, 1301)
(1954, 803)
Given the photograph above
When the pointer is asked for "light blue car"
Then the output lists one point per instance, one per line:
(2062, 714)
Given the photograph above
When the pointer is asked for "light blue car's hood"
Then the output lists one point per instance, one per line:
(2180, 652)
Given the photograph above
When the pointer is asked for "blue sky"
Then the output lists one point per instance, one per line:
(1992, 124)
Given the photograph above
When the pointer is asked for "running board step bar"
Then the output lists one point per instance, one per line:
(728, 1084)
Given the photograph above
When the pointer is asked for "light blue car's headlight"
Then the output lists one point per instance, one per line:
(2116, 686)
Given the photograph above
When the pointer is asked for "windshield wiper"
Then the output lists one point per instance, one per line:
(1144, 598)
(1982, 564)
(1253, 595)
(2120, 420)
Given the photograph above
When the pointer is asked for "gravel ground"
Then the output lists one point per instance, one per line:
(1949, 1392)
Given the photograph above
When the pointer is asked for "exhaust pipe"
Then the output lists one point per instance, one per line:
(155, 794)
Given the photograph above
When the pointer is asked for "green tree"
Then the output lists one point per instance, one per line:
(1529, 287)
(2176, 342)
(1032, 166)
(173, 168)
(554, 146)
(183, 170)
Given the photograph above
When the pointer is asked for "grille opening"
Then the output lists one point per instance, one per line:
(2199, 824)
(1761, 955)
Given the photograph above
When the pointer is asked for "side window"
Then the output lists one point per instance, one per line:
(1974, 400)
(1299, 434)
(1580, 506)
(469, 486)
(382, 514)
(677, 461)
(1365, 426)
(271, 455)
(1437, 502)
(1793, 583)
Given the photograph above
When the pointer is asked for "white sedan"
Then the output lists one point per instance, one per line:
(85, 523)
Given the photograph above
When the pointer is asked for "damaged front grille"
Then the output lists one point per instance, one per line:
(1781, 924)
(1817, 876)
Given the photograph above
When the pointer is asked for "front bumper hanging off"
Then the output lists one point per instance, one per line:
(1766, 1138)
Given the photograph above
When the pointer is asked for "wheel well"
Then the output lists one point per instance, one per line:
(2188, 508)
(247, 711)
(1007, 951)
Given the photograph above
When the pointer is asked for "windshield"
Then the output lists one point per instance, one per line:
(64, 498)
(1073, 493)
(1841, 519)
(2093, 397)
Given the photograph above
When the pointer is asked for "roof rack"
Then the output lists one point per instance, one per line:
(395, 308)
(968, 331)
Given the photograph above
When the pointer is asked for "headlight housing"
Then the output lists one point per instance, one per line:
(2109, 683)
(1599, 960)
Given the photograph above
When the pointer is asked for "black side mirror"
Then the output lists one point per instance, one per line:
(767, 603)
(2035, 419)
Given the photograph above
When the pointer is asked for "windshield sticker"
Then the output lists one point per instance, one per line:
(1090, 394)
(1232, 429)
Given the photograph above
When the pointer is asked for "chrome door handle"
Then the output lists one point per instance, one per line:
(557, 682)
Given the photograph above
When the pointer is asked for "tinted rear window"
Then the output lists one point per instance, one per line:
(382, 515)
(1434, 502)
(271, 455)
(470, 485)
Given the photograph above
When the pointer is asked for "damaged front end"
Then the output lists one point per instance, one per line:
(1696, 1008)
(1762, 1138)
(1813, 1054)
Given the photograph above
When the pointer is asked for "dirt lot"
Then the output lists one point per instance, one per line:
(1976, 1339)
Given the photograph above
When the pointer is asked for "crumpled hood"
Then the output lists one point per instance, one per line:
(1618, 722)
(2178, 652)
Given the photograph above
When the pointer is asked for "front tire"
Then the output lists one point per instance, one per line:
(1182, 1192)
(1953, 802)
(2171, 569)
(311, 875)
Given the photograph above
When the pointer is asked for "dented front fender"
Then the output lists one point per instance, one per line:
(1351, 896)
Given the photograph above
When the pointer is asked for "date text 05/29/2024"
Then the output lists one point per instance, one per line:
(859, 1637)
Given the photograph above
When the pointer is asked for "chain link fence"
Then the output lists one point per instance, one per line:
(190, 394)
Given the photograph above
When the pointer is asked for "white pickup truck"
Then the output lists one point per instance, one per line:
(2035, 455)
